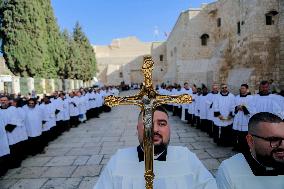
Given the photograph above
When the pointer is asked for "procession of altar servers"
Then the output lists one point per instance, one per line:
(223, 116)
(27, 126)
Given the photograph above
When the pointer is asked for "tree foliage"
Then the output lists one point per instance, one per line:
(34, 46)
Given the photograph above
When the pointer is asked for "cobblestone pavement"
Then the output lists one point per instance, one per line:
(76, 158)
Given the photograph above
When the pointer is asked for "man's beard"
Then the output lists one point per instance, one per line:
(159, 148)
(269, 160)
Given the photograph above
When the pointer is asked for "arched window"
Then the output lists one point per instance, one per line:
(270, 17)
(204, 39)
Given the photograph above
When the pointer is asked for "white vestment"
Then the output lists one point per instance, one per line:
(66, 109)
(185, 106)
(203, 106)
(235, 173)
(59, 105)
(4, 144)
(241, 120)
(15, 116)
(48, 111)
(211, 99)
(267, 104)
(224, 105)
(181, 170)
(73, 106)
(82, 108)
(33, 120)
(191, 106)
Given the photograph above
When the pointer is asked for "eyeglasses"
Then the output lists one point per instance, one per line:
(275, 142)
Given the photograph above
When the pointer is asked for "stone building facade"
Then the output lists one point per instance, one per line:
(228, 41)
(121, 61)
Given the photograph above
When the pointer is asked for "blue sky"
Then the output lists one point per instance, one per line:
(104, 20)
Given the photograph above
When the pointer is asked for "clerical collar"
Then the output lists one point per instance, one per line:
(160, 157)
(245, 95)
(260, 170)
(213, 92)
(204, 94)
(4, 108)
(263, 94)
(226, 94)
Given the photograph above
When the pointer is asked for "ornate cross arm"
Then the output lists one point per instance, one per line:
(181, 99)
(127, 100)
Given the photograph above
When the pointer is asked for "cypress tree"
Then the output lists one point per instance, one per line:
(33, 45)
(87, 54)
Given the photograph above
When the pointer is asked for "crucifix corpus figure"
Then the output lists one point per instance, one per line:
(149, 101)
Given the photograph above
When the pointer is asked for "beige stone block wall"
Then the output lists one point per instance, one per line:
(120, 60)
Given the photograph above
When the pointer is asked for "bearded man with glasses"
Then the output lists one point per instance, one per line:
(263, 167)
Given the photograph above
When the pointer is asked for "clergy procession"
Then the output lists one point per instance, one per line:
(221, 114)
(29, 123)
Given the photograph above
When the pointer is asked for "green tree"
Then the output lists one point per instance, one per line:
(22, 44)
(33, 45)
(88, 64)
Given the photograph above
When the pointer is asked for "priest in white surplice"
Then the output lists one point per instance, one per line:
(4, 143)
(223, 114)
(174, 167)
(267, 102)
(263, 167)
(244, 109)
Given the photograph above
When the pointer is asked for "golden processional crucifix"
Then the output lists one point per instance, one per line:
(148, 99)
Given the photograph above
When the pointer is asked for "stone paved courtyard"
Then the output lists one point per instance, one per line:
(76, 158)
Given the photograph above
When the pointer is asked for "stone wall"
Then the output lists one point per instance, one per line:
(121, 61)
(281, 28)
(254, 54)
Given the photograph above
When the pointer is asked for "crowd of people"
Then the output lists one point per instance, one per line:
(221, 114)
(28, 123)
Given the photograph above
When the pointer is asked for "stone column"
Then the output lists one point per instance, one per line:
(81, 83)
(42, 83)
(16, 85)
(31, 84)
(52, 84)
(72, 86)
(1, 86)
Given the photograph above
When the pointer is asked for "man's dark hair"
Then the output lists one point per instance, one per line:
(262, 117)
(162, 109)
(245, 85)
(158, 108)
(264, 82)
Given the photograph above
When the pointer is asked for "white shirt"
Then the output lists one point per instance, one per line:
(235, 173)
(181, 170)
